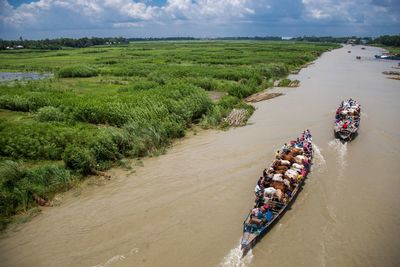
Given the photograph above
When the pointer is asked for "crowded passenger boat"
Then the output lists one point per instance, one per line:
(277, 188)
(347, 119)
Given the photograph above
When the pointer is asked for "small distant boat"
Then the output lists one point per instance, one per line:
(277, 203)
(388, 56)
(347, 120)
(358, 57)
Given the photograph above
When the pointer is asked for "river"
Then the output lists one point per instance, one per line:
(186, 208)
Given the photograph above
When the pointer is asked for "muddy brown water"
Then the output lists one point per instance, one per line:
(186, 208)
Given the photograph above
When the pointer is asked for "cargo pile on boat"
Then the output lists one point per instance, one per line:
(276, 189)
(347, 119)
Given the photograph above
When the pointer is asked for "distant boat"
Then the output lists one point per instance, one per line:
(393, 57)
(347, 120)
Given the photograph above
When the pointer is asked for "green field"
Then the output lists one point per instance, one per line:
(105, 104)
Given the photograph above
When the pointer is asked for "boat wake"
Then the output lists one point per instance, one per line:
(112, 261)
(234, 258)
(319, 160)
(117, 258)
(341, 150)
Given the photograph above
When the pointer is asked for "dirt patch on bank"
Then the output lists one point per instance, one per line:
(216, 96)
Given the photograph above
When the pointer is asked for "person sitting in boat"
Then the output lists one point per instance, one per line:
(309, 136)
(257, 189)
(345, 124)
(265, 173)
(307, 164)
(285, 149)
(256, 216)
(259, 199)
(299, 144)
(277, 155)
(259, 186)
(269, 215)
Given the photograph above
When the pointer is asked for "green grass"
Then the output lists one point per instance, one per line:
(393, 50)
(109, 103)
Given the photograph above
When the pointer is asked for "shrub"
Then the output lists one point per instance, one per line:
(242, 90)
(143, 85)
(79, 159)
(50, 114)
(17, 184)
(45, 180)
(284, 82)
(31, 101)
(37, 140)
(77, 71)
(103, 147)
(206, 83)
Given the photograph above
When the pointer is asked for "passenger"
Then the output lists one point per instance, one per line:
(306, 164)
(257, 189)
(259, 200)
(267, 214)
(258, 213)
(299, 177)
(277, 155)
(254, 220)
(285, 148)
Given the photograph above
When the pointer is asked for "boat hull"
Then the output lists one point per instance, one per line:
(253, 240)
(345, 135)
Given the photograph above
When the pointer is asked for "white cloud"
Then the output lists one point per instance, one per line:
(128, 24)
(118, 12)
(354, 11)
(208, 9)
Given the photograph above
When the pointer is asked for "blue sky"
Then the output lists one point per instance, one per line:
(197, 18)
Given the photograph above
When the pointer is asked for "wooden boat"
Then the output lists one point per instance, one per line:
(251, 233)
(347, 120)
(388, 56)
